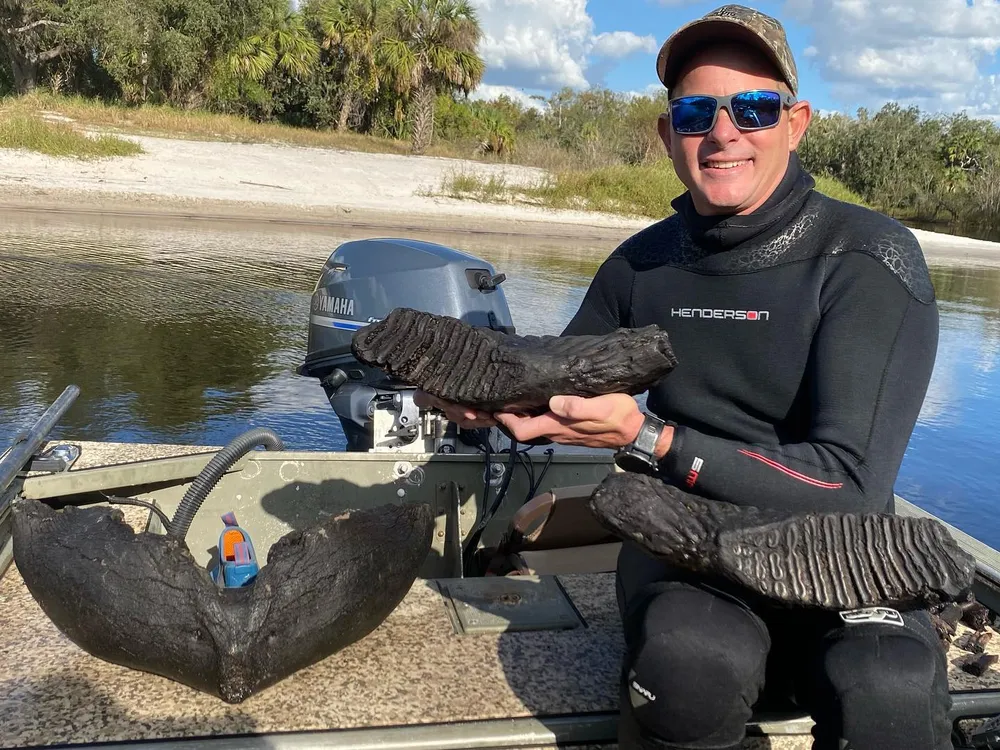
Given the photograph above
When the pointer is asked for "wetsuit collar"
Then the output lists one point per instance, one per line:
(725, 232)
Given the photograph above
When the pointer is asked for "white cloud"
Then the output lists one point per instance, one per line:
(535, 43)
(487, 92)
(622, 44)
(652, 90)
(932, 53)
(982, 99)
(548, 44)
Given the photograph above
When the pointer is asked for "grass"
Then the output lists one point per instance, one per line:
(59, 139)
(492, 189)
(644, 191)
(172, 122)
(838, 190)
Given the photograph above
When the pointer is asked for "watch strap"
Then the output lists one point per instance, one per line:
(640, 454)
(649, 435)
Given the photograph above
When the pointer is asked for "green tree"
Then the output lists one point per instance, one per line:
(133, 44)
(189, 53)
(33, 33)
(283, 43)
(280, 51)
(432, 50)
(355, 31)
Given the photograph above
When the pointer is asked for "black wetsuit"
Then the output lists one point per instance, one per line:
(806, 334)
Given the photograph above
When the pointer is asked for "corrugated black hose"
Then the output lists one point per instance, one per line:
(212, 473)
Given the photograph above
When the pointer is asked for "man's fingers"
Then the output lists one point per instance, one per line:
(581, 409)
(462, 414)
(424, 399)
(466, 418)
(454, 412)
(529, 428)
(577, 408)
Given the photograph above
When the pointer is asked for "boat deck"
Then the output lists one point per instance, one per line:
(415, 669)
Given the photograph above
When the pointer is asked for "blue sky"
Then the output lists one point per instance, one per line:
(938, 54)
(644, 17)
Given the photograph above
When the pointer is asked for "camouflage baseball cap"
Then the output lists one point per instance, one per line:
(735, 22)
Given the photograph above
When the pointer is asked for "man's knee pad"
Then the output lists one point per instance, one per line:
(886, 688)
(692, 678)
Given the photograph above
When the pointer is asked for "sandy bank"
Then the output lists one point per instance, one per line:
(275, 182)
(272, 183)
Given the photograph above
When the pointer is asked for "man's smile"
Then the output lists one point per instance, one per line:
(719, 165)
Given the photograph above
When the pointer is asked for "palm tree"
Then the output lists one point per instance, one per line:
(284, 43)
(432, 50)
(357, 29)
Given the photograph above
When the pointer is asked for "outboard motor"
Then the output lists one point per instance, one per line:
(361, 283)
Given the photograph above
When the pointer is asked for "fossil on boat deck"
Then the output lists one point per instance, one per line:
(834, 561)
(493, 371)
(975, 664)
(141, 601)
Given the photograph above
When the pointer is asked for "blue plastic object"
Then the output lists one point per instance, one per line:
(237, 559)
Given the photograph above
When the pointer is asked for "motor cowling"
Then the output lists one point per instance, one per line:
(362, 282)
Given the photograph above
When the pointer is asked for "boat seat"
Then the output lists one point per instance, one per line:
(555, 533)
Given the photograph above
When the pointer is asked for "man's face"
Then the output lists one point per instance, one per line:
(728, 171)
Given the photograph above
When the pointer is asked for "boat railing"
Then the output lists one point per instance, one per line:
(24, 454)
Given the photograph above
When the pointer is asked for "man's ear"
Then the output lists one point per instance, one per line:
(663, 128)
(799, 117)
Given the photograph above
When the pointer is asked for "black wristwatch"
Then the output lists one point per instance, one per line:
(639, 456)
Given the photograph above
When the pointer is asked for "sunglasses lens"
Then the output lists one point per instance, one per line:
(756, 109)
(692, 114)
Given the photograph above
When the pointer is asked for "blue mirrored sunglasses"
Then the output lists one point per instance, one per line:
(749, 110)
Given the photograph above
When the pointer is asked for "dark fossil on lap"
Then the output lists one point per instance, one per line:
(833, 561)
(141, 601)
(493, 371)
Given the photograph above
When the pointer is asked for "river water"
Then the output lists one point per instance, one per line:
(190, 332)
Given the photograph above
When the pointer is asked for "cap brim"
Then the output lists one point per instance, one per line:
(683, 42)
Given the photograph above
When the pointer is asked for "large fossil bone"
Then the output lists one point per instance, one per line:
(833, 561)
(493, 371)
(141, 600)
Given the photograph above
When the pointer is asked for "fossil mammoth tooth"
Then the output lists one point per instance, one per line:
(493, 371)
(141, 601)
(834, 561)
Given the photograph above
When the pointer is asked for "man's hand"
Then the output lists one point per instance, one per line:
(464, 417)
(608, 421)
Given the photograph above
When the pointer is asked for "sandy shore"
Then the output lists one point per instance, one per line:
(274, 183)
(250, 183)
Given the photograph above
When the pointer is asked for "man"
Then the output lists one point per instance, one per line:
(806, 331)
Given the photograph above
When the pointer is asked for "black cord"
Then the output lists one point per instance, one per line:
(490, 510)
(548, 462)
(486, 475)
(473, 539)
(501, 493)
(143, 503)
(486, 447)
(529, 470)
